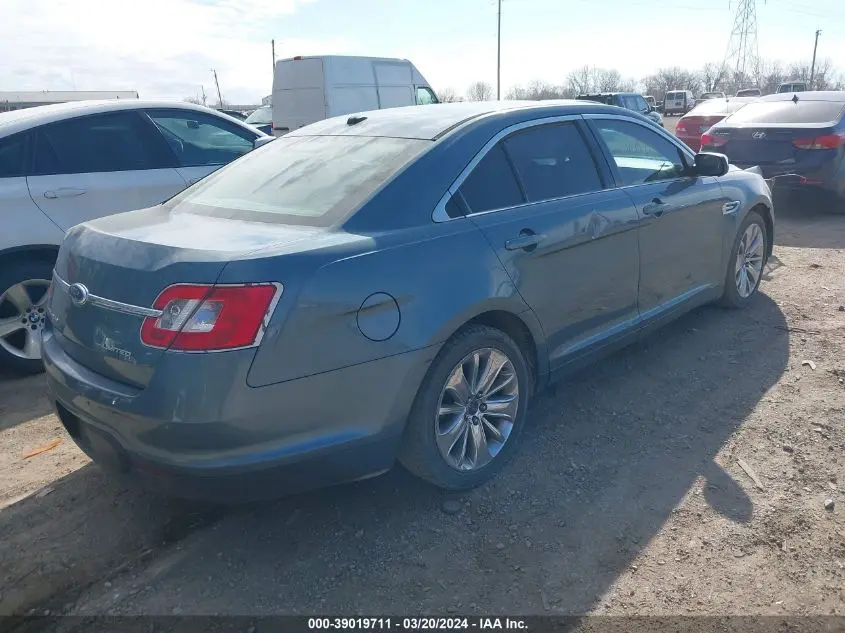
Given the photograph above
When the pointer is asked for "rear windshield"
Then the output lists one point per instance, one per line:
(789, 112)
(261, 115)
(674, 95)
(311, 180)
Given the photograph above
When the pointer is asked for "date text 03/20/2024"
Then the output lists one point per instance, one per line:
(416, 624)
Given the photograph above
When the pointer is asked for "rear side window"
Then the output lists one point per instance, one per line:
(492, 184)
(12, 156)
(117, 141)
(553, 161)
(310, 180)
(789, 112)
(200, 139)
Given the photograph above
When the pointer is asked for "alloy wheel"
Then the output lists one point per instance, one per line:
(23, 307)
(749, 260)
(477, 409)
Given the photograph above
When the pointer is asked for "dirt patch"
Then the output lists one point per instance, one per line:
(627, 496)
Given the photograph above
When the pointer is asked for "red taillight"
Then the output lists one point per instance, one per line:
(681, 126)
(713, 140)
(828, 141)
(199, 317)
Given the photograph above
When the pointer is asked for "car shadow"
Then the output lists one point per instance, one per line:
(611, 454)
(804, 220)
(22, 399)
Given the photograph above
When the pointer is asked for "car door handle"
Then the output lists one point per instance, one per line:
(63, 192)
(527, 240)
(655, 208)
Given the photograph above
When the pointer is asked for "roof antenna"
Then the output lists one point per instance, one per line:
(354, 119)
(794, 98)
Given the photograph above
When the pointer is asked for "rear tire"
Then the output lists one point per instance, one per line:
(23, 292)
(440, 420)
(743, 280)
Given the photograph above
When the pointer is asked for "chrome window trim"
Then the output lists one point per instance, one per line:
(110, 304)
(440, 215)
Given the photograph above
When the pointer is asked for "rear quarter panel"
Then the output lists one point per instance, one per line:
(424, 282)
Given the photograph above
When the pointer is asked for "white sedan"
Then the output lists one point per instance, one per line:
(63, 164)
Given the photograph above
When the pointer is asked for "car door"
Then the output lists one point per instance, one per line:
(91, 166)
(202, 142)
(567, 241)
(682, 221)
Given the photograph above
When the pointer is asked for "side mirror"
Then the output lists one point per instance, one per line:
(261, 141)
(710, 164)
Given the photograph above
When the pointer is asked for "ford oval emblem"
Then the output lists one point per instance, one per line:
(78, 294)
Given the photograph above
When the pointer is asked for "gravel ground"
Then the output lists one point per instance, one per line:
(629, 494)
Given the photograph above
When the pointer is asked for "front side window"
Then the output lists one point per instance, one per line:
(200, 139)
(116, 141)
(641, 155)
(311, 180)
(552, 161)
(425, 96)
(12, 156)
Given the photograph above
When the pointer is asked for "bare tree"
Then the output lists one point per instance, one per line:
(480, 91)
(713, 76)
(448, 95)
(194, 100)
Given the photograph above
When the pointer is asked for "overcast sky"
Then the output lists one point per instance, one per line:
(167, 48)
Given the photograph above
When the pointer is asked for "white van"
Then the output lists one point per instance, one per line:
(309, 89)
(678, 102)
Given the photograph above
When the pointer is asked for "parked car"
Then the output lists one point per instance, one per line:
(309, 89)
(702, 117)
(264, 330)
(749, 92)
(799, 139)
(63, 164)
(240, 116)
(678, 102)
(629, 100)
(711, 95)
(262, 118)
(792, 86)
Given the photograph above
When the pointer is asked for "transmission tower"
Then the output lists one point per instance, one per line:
(742, 56)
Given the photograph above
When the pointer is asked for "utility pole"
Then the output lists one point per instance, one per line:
(217, 83)
(203, 95)
(273, 46)
(499, 57)
(813, 66)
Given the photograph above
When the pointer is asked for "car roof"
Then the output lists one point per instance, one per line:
(28, 118)
(430, 122)
(814, 95)
(720, 105)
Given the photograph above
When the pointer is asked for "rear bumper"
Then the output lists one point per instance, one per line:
(307, 433)
(826, 178)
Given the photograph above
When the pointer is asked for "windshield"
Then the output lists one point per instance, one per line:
(311, 180)
(263, 115)
(788, 112)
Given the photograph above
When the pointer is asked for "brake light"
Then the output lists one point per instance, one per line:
(713, 140)
(681, 126)
(828, 141)
(198, 317)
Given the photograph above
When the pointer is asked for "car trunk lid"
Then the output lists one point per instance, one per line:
(765, 145)
(124, 262)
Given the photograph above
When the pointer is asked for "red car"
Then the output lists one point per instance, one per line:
(707, 113)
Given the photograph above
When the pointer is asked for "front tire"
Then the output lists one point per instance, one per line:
(468, 417)
(748, 258)
(23, 297)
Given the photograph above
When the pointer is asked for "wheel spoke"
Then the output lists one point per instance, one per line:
(479, 452)
(32, 347)
(502, 384)
(452, 435)
(495, 433)
(19, 297)
(472, 379)
(501, 403)
(450, 409)
(457, 387)
(752, 273)
(10, 325)
(492, 369)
